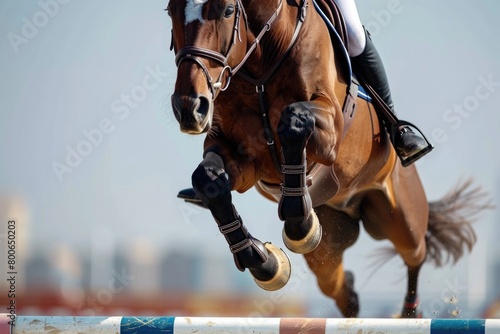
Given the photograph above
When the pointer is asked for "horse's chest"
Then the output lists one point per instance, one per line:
(247, 134)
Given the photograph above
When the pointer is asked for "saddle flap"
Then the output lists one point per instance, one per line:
(332, 12)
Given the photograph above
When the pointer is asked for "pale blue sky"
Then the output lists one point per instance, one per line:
(73, 73)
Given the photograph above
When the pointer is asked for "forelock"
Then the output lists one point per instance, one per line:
(193, 10)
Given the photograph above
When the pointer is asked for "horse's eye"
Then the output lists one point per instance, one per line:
(168, 12)
(229, 11)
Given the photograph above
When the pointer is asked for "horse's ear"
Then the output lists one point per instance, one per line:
(171, 39)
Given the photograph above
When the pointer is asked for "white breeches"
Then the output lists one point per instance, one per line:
(356, 34)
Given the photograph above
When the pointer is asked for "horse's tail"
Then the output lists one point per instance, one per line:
(450, 230)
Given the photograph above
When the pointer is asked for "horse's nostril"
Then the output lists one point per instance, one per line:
(192, 112)
(203, 107)
(176, 107)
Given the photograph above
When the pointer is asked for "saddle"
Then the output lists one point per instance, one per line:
(333, 18)
(337, 28)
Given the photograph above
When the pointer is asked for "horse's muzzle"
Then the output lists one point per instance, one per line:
(194, 113)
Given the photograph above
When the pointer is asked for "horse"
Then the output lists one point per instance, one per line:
(265, 84)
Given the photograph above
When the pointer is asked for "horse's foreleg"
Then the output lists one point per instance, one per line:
(268, 265)
(301, 232)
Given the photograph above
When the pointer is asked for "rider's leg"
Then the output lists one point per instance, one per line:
(369, 65)
(367, 62)
(355, 31)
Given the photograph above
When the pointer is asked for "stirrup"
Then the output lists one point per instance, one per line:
(406, 161)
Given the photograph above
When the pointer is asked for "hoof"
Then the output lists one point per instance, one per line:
(282, 272)
(309, 242)
(353, 307)
(411, 310)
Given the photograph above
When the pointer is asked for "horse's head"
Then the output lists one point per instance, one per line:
(209, 39)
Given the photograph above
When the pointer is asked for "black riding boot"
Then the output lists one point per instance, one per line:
(370, 67)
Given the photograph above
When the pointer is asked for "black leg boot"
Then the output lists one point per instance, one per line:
(409, 145)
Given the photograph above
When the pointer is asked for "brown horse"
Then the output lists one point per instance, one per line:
(263, 80)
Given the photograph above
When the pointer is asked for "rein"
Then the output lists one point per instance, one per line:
(260, 87)
(194, 53)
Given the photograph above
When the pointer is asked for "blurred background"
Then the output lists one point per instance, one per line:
(92, 160)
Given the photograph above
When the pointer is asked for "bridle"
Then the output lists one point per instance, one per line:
(194, 53)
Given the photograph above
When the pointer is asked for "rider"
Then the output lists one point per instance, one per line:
(367, 63)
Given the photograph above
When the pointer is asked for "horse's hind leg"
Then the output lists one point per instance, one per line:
(301, 232)
(411, 303)
(402, 220)
(339, 232)
(268, 265)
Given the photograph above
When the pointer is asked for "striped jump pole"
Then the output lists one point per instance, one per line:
(207, 325)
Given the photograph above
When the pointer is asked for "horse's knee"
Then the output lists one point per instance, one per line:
(209, 179)
(296, 124)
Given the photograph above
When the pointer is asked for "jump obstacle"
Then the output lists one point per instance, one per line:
(211, 325)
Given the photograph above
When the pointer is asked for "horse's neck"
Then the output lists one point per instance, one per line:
(275, 41)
